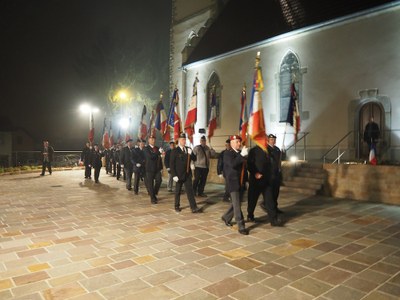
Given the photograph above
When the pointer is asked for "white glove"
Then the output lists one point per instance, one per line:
(189, 150)
(175, 178)
(161, 150)
(138, 165)
(122, 165)
(168, 169)
(192, 166)
(245, 151)
(220, 175)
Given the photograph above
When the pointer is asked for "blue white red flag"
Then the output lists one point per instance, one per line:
(372, 155)
(191, 117)
(212, 123)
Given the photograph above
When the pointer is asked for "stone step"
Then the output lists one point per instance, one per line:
(303, 191)
(303, 184)
(308, 179)
(308, 174)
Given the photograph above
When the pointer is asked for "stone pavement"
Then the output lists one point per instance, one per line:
(63, 237)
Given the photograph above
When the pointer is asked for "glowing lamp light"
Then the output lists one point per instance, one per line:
(124, 123)
(293, 159)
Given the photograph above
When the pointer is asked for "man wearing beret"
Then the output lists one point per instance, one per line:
(153, 168)
(127, 162)
(234, 160)
(276, 176)
(181, 173)
(259, 165)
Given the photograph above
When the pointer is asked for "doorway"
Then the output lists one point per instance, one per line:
(368, 111)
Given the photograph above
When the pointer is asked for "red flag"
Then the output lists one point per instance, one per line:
(293, 116)
(111, 135)
(106, 139)
(161, 121)
(256, 120)
(127, 135)
(143, 125)
(91, 129)
(212, 124)
(191, 117)
(152, 126)
(243, 124)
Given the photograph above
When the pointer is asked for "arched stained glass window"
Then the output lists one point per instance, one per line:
(289, 72)
(214, 87)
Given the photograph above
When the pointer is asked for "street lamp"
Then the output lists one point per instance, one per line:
(85, 108)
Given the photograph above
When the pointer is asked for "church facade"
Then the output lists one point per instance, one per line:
(345, 70)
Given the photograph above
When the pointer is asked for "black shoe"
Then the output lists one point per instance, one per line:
(226, 222)
(244, 231)
(136, 193)
(203, 195)
(197, 210)
(279, 211)
(178, 209)
(129, 188)
(251, 219)
(276, 222)
(154, 201)
(96, 181)
(41, 174)
(226, 199)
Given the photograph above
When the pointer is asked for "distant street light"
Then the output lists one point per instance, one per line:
(85, 108)
(124, 123)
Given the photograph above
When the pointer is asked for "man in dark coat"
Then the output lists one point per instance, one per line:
(181, 173)
(371, 133)
(153, 168)
(48, 154)
(139, 166)
(260, 168)
(276, 174)
(220, 169)
(96, 162)
(234, 162)
(167, 165)
(127, 162)
(117, 159)
(85, 158)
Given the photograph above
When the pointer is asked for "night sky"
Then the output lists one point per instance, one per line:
(41, 88)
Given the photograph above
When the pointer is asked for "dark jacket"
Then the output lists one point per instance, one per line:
(220, 163)
(86, 156)
(50, 153)
(96, 159)
(259, 161)
(233, 164)
(153, 159)
(276, 162)
(167, 158)
(180, 163)
(138, 158)
(126, 157)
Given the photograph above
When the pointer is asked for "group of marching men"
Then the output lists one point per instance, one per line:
(237, 164)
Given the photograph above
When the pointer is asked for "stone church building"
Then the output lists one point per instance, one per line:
(344, 57)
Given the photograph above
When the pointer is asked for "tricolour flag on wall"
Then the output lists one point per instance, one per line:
(191, 117)
(372, 155)
(243, 123)
(293, 116)
(212, 123)
(161, 122)
(256, 127)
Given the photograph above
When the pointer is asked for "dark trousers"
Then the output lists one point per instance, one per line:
(118, 171)
(276, 186)
(128, 176)
(189, 192)
(97, 173)
(153, 181)
(200, 178)
(254, 192)
(235, 210)
(136, 181)
(88, 171)
(114, 168)
(46, 164)
(226, 194)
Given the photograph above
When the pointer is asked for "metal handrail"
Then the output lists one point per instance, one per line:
(296, 142)
(334, 146)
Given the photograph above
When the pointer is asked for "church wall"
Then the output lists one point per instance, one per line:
(338, 61)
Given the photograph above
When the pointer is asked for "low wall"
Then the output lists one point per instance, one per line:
(363, 182)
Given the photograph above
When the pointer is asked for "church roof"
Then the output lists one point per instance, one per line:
(245, 22)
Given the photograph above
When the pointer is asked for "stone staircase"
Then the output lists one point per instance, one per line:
(307, 179)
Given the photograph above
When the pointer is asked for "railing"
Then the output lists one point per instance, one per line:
(63, 158)
(294, 145)
(338, 149)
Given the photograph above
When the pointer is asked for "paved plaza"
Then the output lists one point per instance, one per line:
(64, 237)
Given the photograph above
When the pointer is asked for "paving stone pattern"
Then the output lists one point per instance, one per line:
(64, 237)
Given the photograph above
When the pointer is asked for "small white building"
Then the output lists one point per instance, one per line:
(344, 56)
